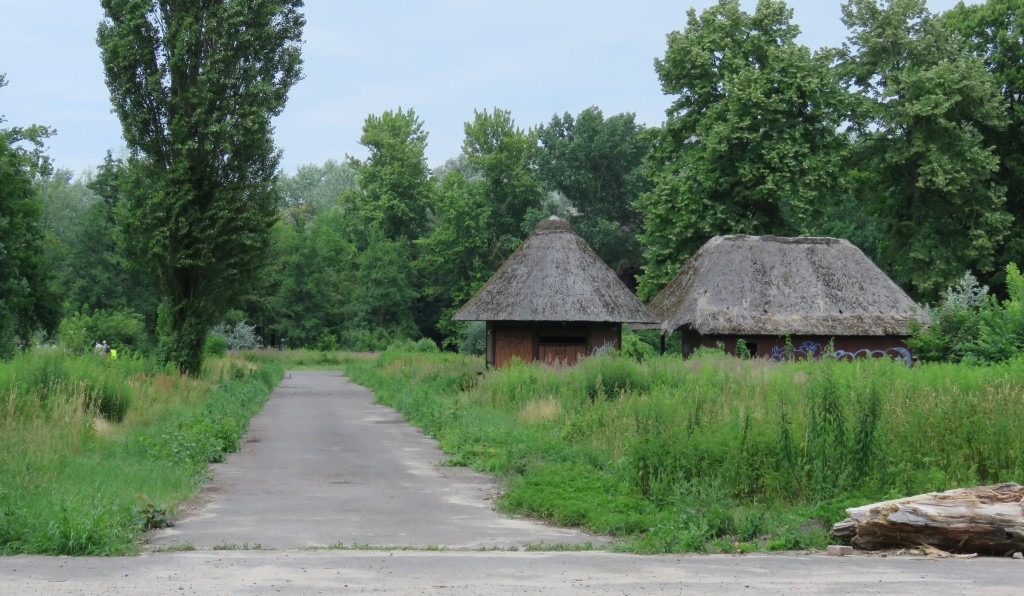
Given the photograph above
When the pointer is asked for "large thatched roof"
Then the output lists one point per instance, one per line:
(765, 285)
(554, 276)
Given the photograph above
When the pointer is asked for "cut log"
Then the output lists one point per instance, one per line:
(986, 520)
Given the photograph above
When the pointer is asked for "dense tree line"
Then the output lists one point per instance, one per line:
(905, 139)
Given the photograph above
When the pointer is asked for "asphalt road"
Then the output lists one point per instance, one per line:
(322, 467)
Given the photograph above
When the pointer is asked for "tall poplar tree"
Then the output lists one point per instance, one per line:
(195, 85)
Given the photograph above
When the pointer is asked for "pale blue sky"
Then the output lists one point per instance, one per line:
(443, 58)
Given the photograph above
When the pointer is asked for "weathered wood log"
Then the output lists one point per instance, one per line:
(986, 520)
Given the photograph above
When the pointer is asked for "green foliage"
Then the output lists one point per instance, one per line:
(207, 434)
(595, 163)
(713, 453)
(26, 302)
(504, 157)
(922, 101)
(393, 192)
(382, 302)
(316, 187)
(121, 328)
(473, 339)
(426, 345)
(196, 99)
(994, 33)
(453, 258)
(953, 324)
(971, 326)
(633, 346)
(70, 485)
(309, 288)
(79, 222)
(237, 336)
(216, 345)
(1001, 325)
(750, 144)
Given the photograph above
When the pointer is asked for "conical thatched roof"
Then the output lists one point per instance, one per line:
(554, 276)
(765, 285)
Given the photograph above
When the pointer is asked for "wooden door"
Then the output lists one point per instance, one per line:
(567, 353)
(512, 342)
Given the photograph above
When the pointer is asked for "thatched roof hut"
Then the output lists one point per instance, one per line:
(766, 286)
(554, 276)
(553, 298)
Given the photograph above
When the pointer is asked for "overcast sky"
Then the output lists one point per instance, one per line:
(443, 58)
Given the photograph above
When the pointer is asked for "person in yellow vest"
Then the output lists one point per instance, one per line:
(113, 354)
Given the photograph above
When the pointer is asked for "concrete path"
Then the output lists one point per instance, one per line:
(323, 465)
(500, 572)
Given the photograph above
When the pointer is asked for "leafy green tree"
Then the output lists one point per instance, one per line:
(79, 228)
(750, 143)
(317, 186)
(383, 300)
(596, 163)
(316, 279)
(26, 303)
(394, 190)
(995, 32)
(452, 260)
(195, 85)
(505, 158)
(921, 162)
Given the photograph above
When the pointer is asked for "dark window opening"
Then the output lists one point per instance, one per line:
(752, 348)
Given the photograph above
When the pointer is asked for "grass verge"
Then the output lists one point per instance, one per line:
(78, 477)
(712, 454)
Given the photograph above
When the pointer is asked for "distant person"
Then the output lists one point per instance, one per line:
(113, 354)
(97, 348)
(106, 348)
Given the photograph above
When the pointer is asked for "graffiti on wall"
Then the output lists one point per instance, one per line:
(813, 351)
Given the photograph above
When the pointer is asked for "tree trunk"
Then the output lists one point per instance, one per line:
(985, 519)
(186, 339)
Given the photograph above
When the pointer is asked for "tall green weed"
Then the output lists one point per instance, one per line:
(714, 452)
(93, 450)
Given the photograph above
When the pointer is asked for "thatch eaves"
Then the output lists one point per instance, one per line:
(767, 285)
(554, 276)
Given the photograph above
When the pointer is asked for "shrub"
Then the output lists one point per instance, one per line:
(611, 376)
(238, 336)
(473, 339)
(120, 327)
(633, 346)
(402, 346)
(1001, 325)
(326, 343)
(971, 326)
(425, 346)
(216, 345)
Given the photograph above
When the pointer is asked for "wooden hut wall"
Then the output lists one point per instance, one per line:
(769, 346)
(548, 342)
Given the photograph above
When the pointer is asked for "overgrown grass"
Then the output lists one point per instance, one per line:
(713, 453)
(95, 451)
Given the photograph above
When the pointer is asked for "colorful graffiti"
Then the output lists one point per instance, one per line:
(814, 351)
